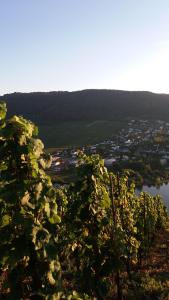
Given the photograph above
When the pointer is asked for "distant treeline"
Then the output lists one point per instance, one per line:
(87, 105)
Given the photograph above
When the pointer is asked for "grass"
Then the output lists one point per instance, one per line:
(78, 133)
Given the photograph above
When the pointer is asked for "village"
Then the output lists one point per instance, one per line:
(144, 139)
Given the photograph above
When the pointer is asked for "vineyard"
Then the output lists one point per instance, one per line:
(85, 241)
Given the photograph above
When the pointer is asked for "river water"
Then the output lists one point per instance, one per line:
(163, 191)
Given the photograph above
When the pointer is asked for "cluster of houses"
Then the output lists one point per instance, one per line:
(140, 138)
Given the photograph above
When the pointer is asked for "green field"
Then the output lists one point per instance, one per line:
(78, 133)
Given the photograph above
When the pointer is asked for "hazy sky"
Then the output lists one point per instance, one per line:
(77, 44)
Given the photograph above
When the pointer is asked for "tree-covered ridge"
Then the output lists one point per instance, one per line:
(79, 242)
(54, 107)
(85, 117)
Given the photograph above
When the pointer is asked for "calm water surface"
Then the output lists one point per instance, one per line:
(163, 191)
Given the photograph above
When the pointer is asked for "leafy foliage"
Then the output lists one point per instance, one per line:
(28, 209)
(72, 243)
(107, 228)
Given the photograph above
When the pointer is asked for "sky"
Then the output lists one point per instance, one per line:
(50, 45)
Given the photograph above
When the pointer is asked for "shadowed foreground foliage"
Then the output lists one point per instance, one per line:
(85, 241)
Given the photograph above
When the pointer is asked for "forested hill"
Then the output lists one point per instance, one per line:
(85, 117)
(87, 105)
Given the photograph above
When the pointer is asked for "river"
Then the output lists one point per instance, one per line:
(163, 191)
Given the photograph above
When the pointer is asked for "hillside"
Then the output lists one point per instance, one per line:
(85, 116)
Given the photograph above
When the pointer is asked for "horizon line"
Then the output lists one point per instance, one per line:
(81, 90)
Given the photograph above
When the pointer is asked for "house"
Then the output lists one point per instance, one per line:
(109, 161)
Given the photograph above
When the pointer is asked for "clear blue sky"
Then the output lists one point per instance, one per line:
(77, 44)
